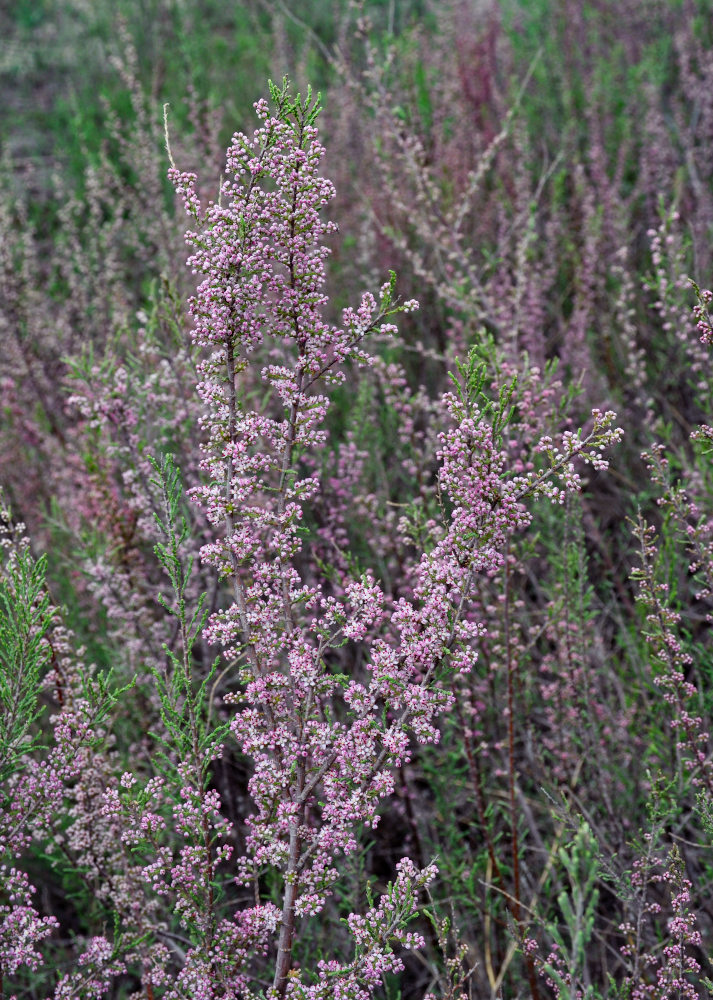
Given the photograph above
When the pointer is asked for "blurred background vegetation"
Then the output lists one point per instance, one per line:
(540, 175)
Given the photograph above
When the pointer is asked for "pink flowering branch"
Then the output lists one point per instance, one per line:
(324, 745)
(674, 662)
(40, 774)
(676, 970)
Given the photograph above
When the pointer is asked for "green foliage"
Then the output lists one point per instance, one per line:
(578, 905)
(26, 617)
(299, 113)
(185, 705)
(469, 386)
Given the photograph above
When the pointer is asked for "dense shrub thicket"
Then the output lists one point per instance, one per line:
(356, 587)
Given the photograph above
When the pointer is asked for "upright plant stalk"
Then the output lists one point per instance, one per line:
(511, 668)
(511, 663)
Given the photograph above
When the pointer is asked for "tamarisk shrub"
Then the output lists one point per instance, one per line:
(324, 745)
(331, 680)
